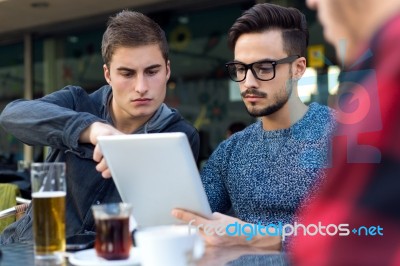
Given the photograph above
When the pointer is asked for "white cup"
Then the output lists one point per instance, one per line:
(175, 245)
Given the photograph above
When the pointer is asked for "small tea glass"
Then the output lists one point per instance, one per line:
(113, 236)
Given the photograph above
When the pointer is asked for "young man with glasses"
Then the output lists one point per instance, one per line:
(266, 171)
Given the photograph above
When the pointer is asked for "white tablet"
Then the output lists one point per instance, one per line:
(155, 173)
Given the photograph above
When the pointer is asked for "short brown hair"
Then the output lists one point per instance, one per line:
(131, 29)
(262, 17)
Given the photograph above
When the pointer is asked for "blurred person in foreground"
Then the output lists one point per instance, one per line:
(136, 68)
(266, 171)
(363, 187)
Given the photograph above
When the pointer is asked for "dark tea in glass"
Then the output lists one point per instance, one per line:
(113, 238)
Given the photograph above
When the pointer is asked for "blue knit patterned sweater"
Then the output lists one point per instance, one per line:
(265, 175)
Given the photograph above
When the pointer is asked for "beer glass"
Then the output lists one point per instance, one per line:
(48, 199)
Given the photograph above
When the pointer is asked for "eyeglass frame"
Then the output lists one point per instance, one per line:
(289, 59)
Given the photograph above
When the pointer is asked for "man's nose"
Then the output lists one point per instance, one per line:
(141, 84)
(250, 80)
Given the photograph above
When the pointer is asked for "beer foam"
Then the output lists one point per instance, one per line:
(49, 194)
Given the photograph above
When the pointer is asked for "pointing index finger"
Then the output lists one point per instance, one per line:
(188, 217)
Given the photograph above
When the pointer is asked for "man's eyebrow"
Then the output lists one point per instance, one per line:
(130, 69)
(153, 66)
(261, 60)
(125, 69)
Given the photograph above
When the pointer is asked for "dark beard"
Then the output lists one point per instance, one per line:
(268, 110)
(280, 101)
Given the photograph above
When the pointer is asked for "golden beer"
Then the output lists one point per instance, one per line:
(49, 222)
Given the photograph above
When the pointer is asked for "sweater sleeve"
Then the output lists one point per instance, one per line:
(212, 176)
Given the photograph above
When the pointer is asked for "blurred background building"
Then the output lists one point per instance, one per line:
(48, 44)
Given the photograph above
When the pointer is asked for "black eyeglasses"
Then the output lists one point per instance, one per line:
(263, 70)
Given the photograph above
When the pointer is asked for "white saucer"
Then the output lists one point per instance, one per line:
(88, 257)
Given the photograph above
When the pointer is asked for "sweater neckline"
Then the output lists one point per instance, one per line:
(286, 132)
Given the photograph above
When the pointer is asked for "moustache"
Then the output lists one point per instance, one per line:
(253, 92)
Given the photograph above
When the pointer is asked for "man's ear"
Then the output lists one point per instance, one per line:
(299, 67)
(106, 73)
(168, 69)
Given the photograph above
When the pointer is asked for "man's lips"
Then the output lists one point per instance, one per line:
(251, 96)
(141, 100)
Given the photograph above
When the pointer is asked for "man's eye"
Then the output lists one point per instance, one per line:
(264, 68)
(127, 74)
(240, 69)
(152, 72)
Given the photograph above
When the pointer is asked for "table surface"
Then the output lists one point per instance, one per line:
(22, 254)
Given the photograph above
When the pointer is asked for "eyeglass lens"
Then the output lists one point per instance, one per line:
(262, 70)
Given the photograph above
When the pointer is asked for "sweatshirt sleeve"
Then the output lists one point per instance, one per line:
(55, 120)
